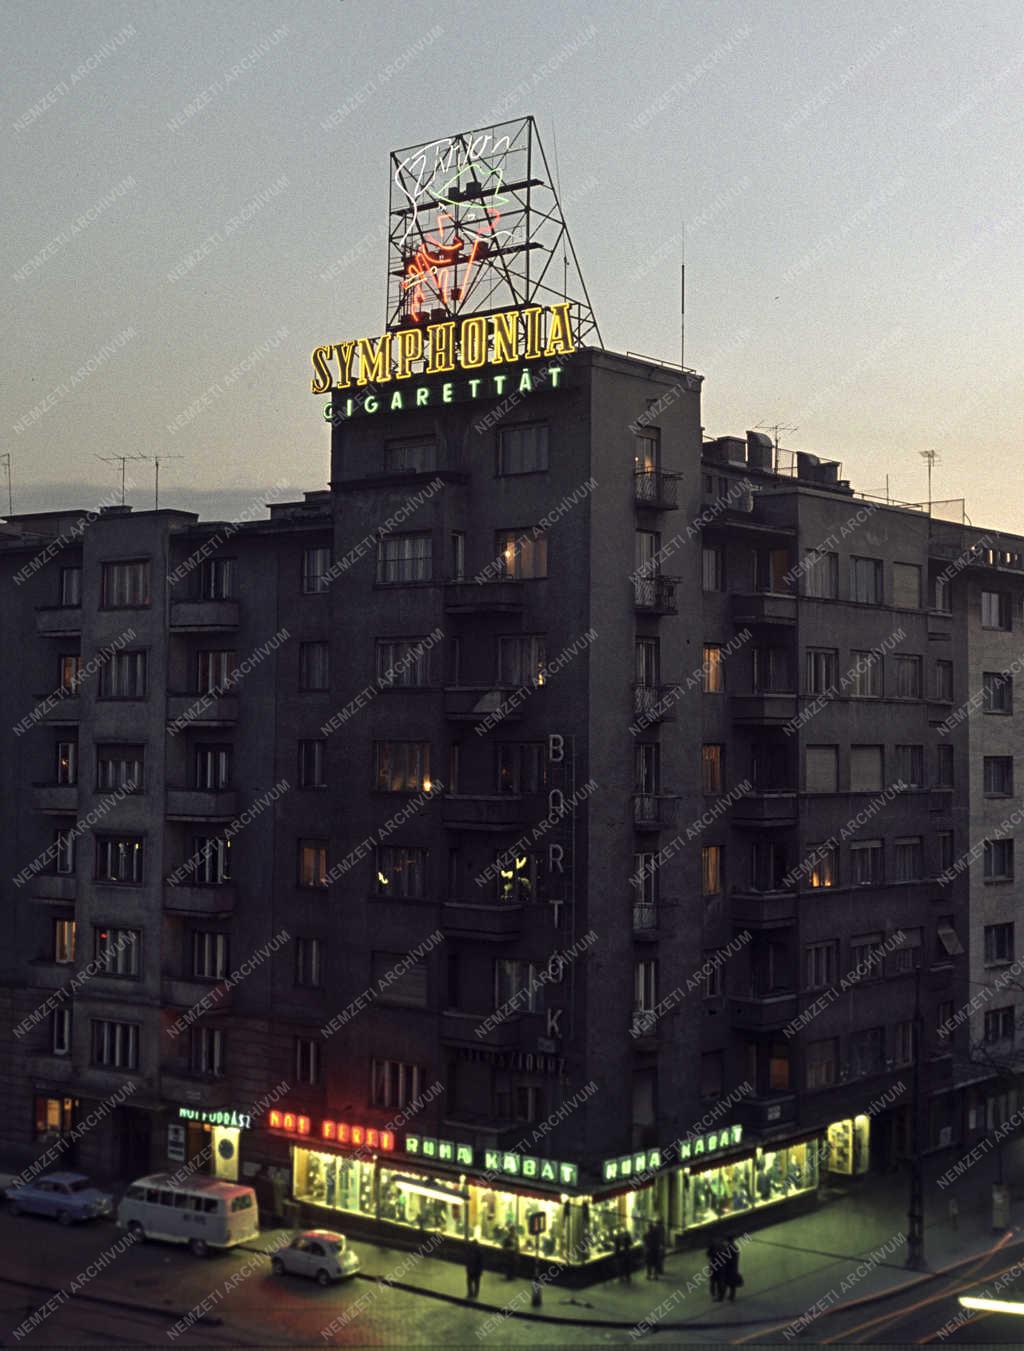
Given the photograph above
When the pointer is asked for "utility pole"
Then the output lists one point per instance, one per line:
(915, 1208)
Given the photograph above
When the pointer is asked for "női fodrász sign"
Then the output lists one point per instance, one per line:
(365, 365)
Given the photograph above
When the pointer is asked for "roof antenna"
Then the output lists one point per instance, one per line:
(775, 428)
(931, 457)
(5, 460)
(122, 460)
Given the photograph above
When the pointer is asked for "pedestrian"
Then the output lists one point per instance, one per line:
(659, 1246)
(731, 1271)
(474, 1267)
(716, 1284)
(625, 1256)
(954, 1213)
(650, 1251)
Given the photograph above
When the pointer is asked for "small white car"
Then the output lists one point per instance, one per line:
(318, 1253)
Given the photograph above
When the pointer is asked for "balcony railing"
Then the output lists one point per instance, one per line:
(655, 703)
(55, 797)
(764, 909)
(764, 607)
(655, 595)
(200, 804)
(202, 710)
(501, 596)
(53, 621)
(477, 703)
(656, 489)
(212, 900)
(763, 810)
(654, 811)
(199, 616)
(764, 1013)
(645, 916)
(485, 812)
(492, 922)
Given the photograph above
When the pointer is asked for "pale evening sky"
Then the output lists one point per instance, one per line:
(851, 174)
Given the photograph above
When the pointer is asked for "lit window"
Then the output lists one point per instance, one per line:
(523, 554)
(401, 766)
(312, 863)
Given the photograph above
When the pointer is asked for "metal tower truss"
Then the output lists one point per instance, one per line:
(475, 227)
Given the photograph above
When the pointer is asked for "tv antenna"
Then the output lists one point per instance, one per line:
(157, 461)
(5, 461)
(775, 428)
(930, 457)
(122, 460)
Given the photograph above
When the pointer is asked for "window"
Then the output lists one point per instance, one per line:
(997, 692)
(771, 670)
(646, 768)
(867, 1051)
(863, 959)
(404, 558)
(518, 980)
(714, 982)
(821, 1064)
(307, 1060)
(998, 860)
(401, 766)
(313, 863)
(123, 676)
(645, 992)
(946, 849)
(906, 586)
(647, 662)
(711, 869)
(393, 1083)
(398, 981)
(117, 951)
(769, 766)
(771, 570)
(820, 961)
(217, 579)
(64, 852)
(998, 944)
(520, 876)
(713, 567)
(70, 668)
(60, 1031)
(523, 555)
(866, 581)
(865, 769)
(212, 767)
(125, 585)
(208, 1051)
(907, 957)
(767, 865)
(210, 863)
(714, 669)
(644, 883)
(909, 859)
(309, 962)
(401, 872)
(523, 449)
(908, 677)
(865, 675)
(67, 762)
(908, 766)
(998, 775)
(316, 570)
(944, 681)
(821, 574)
(999, 1024)
(941, 594)
(995, 610)
(71, 587)
(943, 1017)
(410, 457)
(824, 860)
(120, 767)
(521, 660)
(903, 1043)
(115, 1045)
(711, 768)
(314, 666)
(119, 858)
(943, 766)
(457, 547)
(209, 954)
(522, 767)
(647, 452)
(821, 669)
(867, 863)
(64, 940)
(403, 663)
(312, 766)
(821, 769)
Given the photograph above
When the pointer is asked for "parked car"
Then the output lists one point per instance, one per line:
(205, 1212)
(68, 1196)
(318, 1253)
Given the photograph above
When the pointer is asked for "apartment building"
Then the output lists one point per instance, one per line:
(596, 793)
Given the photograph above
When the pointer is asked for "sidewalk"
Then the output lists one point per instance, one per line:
(787, 1267)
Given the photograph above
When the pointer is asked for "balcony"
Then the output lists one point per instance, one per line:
(51, 1069)
(766, 1014)
(653, 811)
(764, 608)
(656, 703)
(477, 703)
(204, 616)
(940, 626)
(652, 488)
(474, 1029)
(198, 804)
(643, 1030)
(58, 621)
(185, 993)
(646, 920)
(179, 1085)
(54, 890)
(766, 810)
(214, 900)
(202, 710)
(504, 811)
(488, 922)
(48, 975)
(655, 595)
(55, 797)
(476, 598)
(763, 909)
(57, 707)
(767, 709)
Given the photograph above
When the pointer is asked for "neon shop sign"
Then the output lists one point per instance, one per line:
(630, 1165)
(707, 1144)
(221, 1117)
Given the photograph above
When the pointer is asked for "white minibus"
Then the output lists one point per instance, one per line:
(204, 1212)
